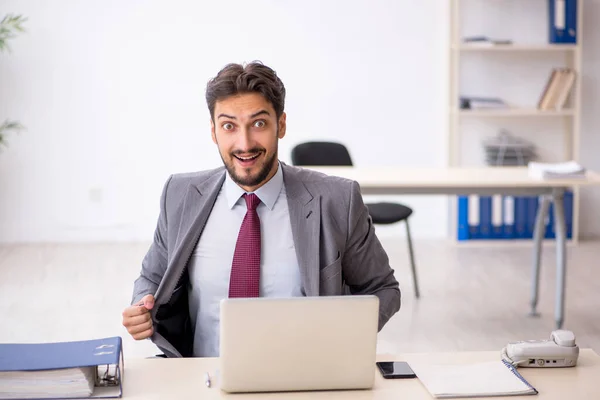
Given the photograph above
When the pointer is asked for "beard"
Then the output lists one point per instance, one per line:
(246, 179)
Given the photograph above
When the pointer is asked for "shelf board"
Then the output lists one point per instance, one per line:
(515, 112)
(516, 47)
(492, 243)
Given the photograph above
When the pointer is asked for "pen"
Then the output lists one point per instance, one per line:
(207, 379)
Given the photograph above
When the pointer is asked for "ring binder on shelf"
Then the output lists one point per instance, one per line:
(518, 217)
(562, 21)
(82, 369)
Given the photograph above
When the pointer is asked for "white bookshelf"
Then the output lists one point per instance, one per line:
(516, 47)
(521, 52)
(516, 112)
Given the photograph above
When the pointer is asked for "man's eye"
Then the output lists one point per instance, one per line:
(228, 126)
(260, 124)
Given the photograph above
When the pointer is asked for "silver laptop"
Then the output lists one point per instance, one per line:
(299, 343)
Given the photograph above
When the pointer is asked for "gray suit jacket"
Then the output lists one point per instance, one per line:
(338, 252)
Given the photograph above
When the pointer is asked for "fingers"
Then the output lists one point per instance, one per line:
(139, 326)
(148, 301)
(135, 329)
(135, 310)
(143, 335)
(136, 320)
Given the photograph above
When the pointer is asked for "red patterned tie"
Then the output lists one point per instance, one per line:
(245, 270)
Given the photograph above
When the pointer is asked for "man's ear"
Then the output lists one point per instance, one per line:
(282, 126)
(212, 131)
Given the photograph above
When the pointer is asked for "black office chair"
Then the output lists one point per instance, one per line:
(336, 154)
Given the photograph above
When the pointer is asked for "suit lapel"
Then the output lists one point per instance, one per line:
(198, 203)
(305, 217)
(196, 207)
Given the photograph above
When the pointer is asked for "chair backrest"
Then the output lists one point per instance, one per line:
(321, 153)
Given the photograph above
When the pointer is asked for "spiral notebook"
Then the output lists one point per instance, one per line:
(488, 379)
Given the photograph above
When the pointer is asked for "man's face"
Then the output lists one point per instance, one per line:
(246, 131)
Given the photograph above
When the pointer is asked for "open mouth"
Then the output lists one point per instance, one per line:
(247, 161)
(247, 158)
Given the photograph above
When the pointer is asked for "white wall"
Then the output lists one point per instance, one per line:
(112, 93)
(590, 125)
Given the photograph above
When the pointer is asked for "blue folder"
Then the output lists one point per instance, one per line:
(569, 213)
(508, 217)
(549, 234)
(106, 355)
(518, 218)
(497, 217)
(474, 217)
(463, 218)
(562, 21)
(532, 209)
(485, 217)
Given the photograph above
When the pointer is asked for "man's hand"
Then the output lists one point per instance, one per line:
(136, 318)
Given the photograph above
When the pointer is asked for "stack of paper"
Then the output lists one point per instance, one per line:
(566, 170)
(495, 378)
(50, 384)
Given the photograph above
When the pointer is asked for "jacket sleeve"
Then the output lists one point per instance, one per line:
(154, 263)
(365, 263)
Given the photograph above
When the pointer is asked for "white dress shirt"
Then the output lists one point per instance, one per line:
(210, 264)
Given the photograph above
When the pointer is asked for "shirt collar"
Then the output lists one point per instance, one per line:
(267, 193)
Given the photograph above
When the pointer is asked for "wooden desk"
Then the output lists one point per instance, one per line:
(459, 181)
(182, 378)
(481, 181)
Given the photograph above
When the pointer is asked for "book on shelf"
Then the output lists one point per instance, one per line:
(557, 89)
(482, 103)
(485, 41)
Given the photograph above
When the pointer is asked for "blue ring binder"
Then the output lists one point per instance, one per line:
(104, 356)
(518, 221)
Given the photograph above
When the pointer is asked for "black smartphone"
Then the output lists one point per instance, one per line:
(396, 370)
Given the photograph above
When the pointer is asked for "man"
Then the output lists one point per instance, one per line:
(255, 227)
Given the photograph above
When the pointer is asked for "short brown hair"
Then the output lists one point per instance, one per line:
(254, 77)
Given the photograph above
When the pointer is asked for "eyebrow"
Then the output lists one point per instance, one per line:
(261, 112)
(256, 114)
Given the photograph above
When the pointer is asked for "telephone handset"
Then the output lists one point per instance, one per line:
(559, 351)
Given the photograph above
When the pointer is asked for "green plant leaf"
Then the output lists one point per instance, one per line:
(6, 126)
(9, 27)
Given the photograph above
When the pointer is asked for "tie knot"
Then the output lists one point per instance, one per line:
(252, 201)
